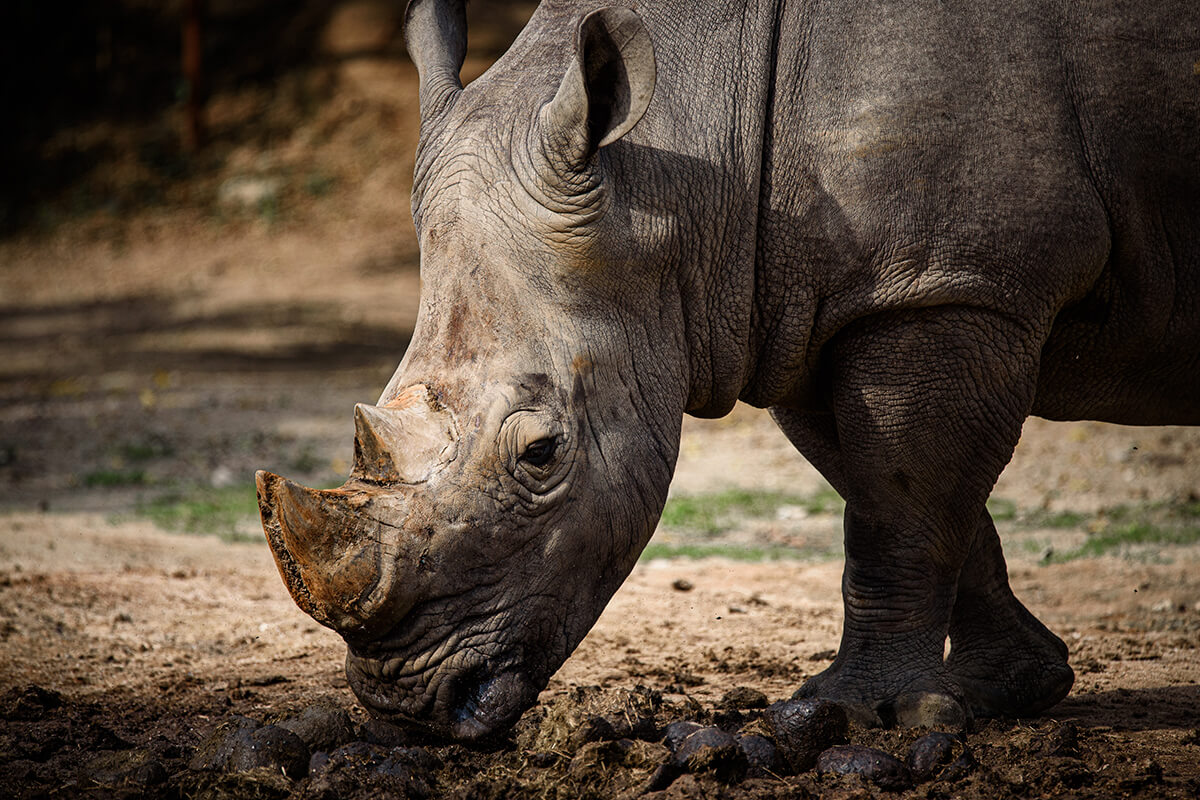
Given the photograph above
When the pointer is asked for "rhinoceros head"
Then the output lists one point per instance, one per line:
(517, 462)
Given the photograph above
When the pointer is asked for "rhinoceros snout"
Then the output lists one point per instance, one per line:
(463, 699)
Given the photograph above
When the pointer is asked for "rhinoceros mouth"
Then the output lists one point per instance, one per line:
(470, 700)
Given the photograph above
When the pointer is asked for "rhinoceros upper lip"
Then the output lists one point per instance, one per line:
(483, 706)
(477, 698)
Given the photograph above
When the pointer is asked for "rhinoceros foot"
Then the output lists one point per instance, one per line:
(1007, 662)
(1010, 678)
(912, 701)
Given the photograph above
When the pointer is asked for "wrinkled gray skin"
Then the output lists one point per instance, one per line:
(903, 228)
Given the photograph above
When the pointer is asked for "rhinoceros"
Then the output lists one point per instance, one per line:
(901, 226)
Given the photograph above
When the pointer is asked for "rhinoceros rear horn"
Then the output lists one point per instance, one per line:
(607, 87)
(435, 32)
(403, 441)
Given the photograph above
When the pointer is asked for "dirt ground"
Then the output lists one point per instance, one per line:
(184, 344)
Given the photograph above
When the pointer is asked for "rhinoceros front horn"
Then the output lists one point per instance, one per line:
(337, 560)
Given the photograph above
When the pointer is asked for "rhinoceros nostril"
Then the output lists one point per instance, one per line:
(467, 692)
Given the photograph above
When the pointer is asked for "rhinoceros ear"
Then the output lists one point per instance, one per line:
(607, 87)
(435, 32)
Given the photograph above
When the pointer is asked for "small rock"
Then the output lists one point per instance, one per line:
(676, 732)
(273, 747)
(682, 585)
(933, 751)
(762, 756)
(243, 744)
(712, 751)
(803, 728)
(321, 727)
(743, 697)
(214, 752)
(883, 770)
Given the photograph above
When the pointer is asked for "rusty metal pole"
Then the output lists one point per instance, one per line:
(193, 75)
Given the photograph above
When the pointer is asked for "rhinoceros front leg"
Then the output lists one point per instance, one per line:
(927, 408)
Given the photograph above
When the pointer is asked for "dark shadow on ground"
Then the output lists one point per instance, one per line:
(92, 338)
(1165, 707)
(107, 404)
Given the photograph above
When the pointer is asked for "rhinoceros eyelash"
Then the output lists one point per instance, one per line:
(539, 453)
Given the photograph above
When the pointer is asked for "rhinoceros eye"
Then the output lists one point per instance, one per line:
(539, 453)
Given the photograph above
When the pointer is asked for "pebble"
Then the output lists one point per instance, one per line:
(882, 769)
(243, 744)
(676, 732)
(762, 756)
(321, 727)
(712, 751)
(931, 753)
(805, 727)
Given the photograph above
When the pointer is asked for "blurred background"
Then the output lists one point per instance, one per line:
(207, 257)
(206, 253)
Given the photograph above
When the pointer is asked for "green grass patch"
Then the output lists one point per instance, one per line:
(655, 550)
(1115, 538)
(111, 478)
(1124, 539)
(206, 511)
(719, 512)
(147, 449)
(1001, 509)
(1130, 529)
(1053, 519)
